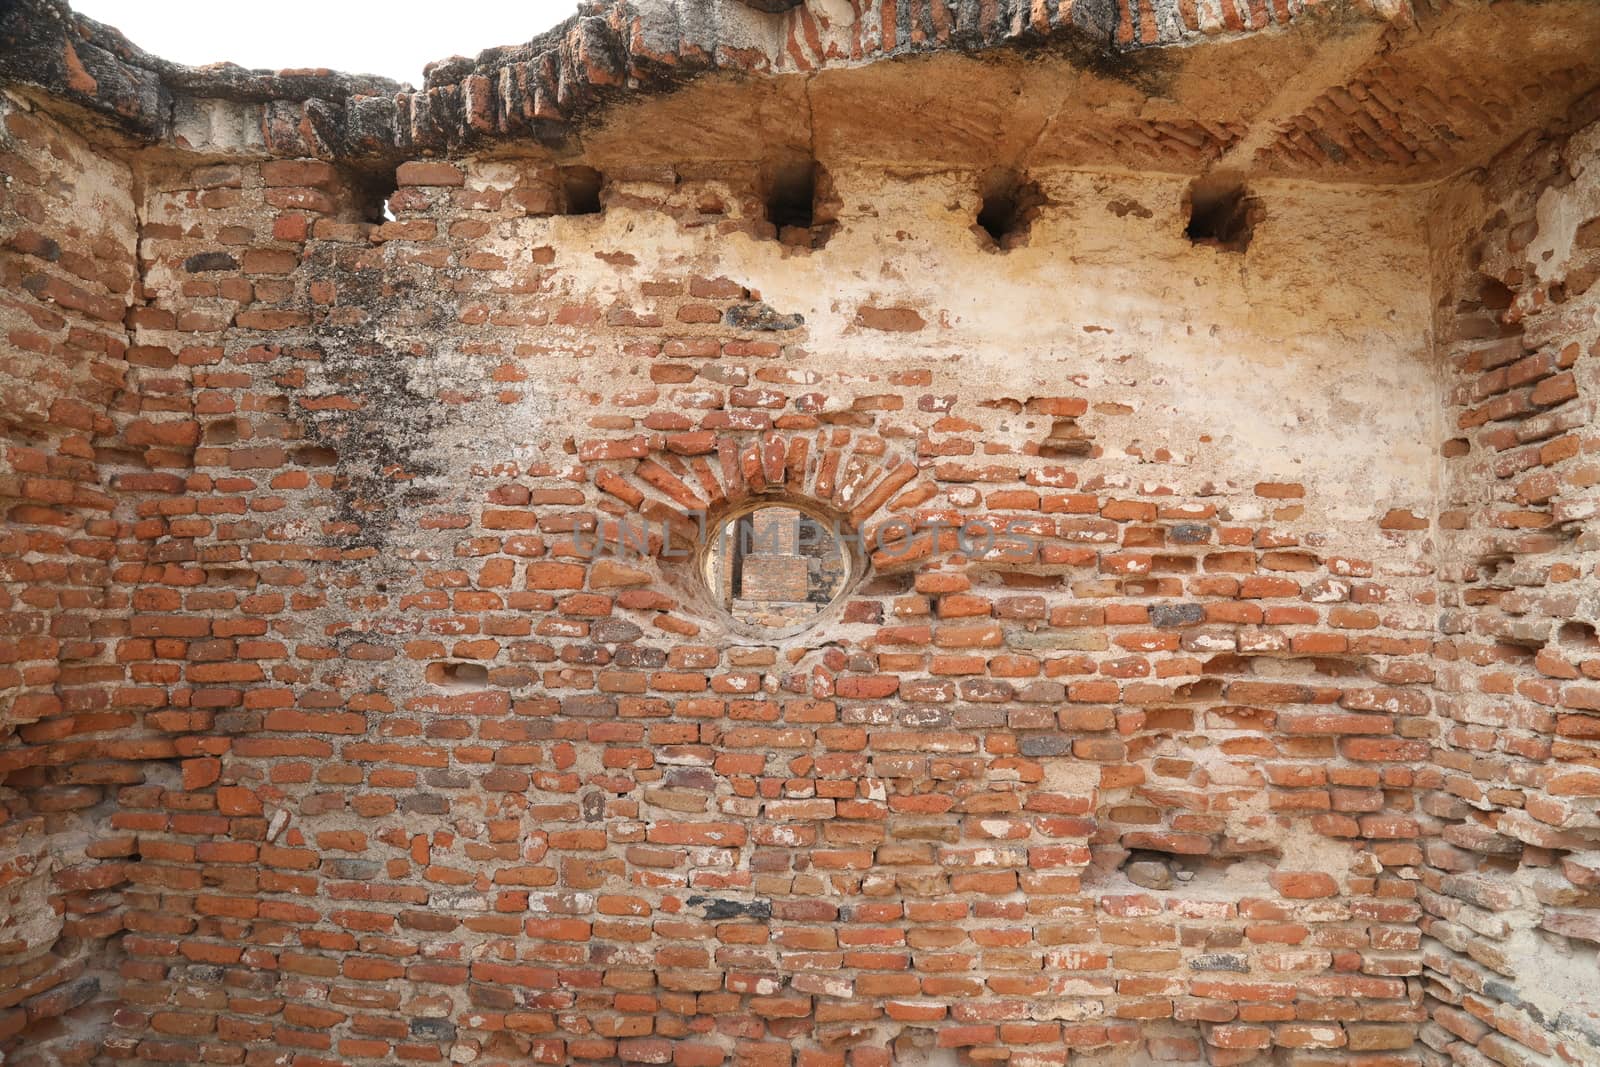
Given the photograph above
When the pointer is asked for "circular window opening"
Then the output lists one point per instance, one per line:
(775, 569)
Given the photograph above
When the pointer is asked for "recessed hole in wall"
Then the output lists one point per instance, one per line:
(1577, 634)
(799, 203)
(1200, 689)
(314, 456)
(1581, 277)
(119, 457)
(1009, 206)
(1158, 869)
(1494, 293)
(1521, 649)
(1067, 439)
(372, 193)
(775, 568)
(1222, 213)
(580, 190)
(463, 675)
(918, 1045)
(221, 432)
(790, 195)
(1154, 870)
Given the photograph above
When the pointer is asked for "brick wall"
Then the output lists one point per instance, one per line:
(341, 745)
(73, 725)
(1512, 908)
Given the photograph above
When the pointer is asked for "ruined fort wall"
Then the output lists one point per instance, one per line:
(446, 786)
(1263, 732)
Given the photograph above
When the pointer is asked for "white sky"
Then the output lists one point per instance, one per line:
(389, 37)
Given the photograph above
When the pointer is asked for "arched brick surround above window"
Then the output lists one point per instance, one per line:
(680, 479)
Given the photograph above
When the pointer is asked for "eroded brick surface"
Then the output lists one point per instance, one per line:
(1510, 897)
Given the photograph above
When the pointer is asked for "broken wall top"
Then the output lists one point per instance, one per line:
(1376, 90)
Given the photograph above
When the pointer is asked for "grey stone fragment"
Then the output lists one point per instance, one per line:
(758, 316)
(614, 631)
(1168, 616)
(641, 656)
(353, 869)
(1150, 874)
(1220, 961)
(204, 261)
(722, 908)
(1579, 1025)
(1045, 745)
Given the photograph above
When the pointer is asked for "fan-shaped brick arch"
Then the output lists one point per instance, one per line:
(673, 477)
